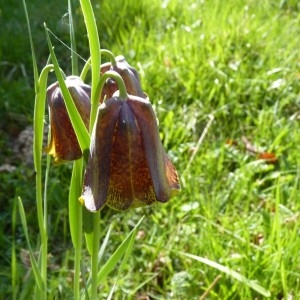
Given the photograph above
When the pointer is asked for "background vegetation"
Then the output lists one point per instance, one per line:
(237, 61)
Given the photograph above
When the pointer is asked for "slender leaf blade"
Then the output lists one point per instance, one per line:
(117, 255)
(34, 264)
(252, 284)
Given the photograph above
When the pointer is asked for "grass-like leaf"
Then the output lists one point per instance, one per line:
(122, 250)
(75, 208)
(34, 265)
(124, 260)
(115, 258)
(75, 221)
(94, 45)
(74, 58)
(14, 277)
(104, 244)
(252, 284)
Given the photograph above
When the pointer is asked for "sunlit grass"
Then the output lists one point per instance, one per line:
(236, 61)
(239, 63)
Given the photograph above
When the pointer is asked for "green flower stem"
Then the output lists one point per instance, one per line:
(78, 250)
(75, 220)
(110, 55)
(94, 258)
(39, 113)
(112, 74)
(94, 46)
(75, 208)
(85, 69)
(48, 160)
(87, 65)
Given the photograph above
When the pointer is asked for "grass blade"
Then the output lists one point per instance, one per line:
(104, 244)
(34, 264)
(124, 260)
(253, 285)
(14, 271)
(34, 63)
(117, 255)
(124, 248)
(74, 58)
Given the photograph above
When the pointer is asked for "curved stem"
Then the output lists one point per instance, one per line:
(87, 65)
(85, 69)
(119, 81)
(110, 55)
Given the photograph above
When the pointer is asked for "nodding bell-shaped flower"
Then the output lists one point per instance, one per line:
(127, 166)
(129, 75)
(63, 145)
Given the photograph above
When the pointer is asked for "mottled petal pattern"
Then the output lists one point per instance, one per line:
(63, 145)
(128, 166)
(97, 174)
(130, 181)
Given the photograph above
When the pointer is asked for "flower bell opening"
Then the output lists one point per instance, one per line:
(127, 166)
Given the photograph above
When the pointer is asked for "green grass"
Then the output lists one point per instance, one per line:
(235, 60)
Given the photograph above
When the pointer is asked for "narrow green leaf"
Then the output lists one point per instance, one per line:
(139, 287)
(75, 222)
(87, 220)
(14, 271)
(92, 236)
(104, 244)
(252, 284)
(39, 115)
(117, 255)
(38, 123)
(34, 264)
(74, 58)
(34, 63)
(123, 263)
(75, 208)
(100, 256)
(94, 46)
